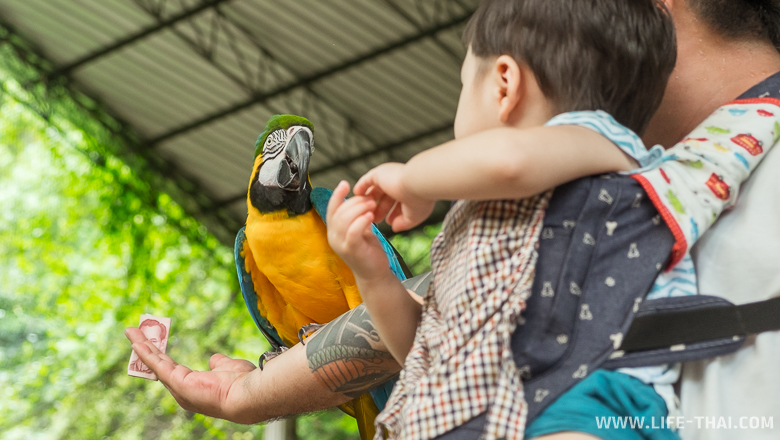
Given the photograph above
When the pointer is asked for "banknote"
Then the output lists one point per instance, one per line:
(157, 330)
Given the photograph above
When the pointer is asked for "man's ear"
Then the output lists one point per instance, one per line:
(509, 86)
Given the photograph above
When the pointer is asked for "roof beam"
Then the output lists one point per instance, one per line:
(317, 76)
(245, 82)
(348, 161)
(392, 5)
(190, 195)
(70, 67)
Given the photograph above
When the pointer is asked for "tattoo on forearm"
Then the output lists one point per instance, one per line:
(347, 355)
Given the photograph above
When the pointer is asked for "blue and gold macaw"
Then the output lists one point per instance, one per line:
(290, 277)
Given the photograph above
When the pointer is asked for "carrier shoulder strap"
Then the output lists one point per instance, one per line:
(655, 327)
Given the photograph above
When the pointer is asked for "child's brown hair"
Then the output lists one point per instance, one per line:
(611, 55)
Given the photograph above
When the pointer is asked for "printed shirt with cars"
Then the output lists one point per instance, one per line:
(691, 185)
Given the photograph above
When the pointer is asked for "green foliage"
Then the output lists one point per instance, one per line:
(89, 240)
(83, 255)
(415, 248)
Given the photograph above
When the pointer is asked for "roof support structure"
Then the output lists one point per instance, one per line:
(310, 79)
(221, 40)
(249, 81)
(409, 19)
(130, 39)
(186, 191)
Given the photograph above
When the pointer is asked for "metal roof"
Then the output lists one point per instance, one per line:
(197, 80)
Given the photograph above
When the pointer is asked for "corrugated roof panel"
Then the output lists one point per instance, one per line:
(176, 83)
(431, 12)
(233, 50)
(238, 209)
(199, 84)
(166, 8)
(309, 36)
(219, 176)
(393, 97)
(452, 40)
(122, 18)
(233, 139)
(61, 38)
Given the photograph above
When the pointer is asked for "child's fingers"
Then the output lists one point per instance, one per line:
(401, 221)
(383, 207)
(400, 224)
(355, 233)
(337, 199)
(394, 213)
(364, 184)
(355, 207)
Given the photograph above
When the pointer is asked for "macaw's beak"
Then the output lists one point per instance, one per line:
(294, 170)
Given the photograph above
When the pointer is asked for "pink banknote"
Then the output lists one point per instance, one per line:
(157, 329)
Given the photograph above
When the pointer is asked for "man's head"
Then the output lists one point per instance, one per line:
(611, 55)
(154, 331)
(740, 19)
(724, 48)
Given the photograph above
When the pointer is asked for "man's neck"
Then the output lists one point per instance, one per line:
(717, 72)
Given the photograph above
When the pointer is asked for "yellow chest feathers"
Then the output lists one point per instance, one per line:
(306, 281)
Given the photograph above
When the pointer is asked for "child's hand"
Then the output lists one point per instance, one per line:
(350, 234)
(395, 204)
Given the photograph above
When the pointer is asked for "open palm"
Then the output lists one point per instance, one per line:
(205, 392)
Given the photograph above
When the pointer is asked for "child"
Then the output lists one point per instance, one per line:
(566, 56)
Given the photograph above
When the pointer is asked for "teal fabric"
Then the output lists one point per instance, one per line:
(610, 396)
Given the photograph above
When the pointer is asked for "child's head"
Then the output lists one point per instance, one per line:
(611, 55)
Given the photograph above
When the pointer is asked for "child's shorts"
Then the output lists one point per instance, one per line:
(607, 404)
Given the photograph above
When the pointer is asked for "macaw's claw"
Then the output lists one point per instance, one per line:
(268, 355)
(307, 331)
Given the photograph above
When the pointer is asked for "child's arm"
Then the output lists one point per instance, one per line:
(502, 163)
(393, 311)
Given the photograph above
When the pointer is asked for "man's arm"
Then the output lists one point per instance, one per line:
(343, 359)
(348, 357)
(395, 314)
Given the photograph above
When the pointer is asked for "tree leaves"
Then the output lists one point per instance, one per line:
(87, 244)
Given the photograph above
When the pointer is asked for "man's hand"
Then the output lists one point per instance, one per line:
(351, 236)
(299, 380)
(395, 204)
(214, 393)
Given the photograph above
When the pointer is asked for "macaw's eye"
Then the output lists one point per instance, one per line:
(274, 143)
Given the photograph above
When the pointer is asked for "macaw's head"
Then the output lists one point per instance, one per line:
(280, 177)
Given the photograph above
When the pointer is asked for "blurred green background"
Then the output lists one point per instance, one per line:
(88, 242)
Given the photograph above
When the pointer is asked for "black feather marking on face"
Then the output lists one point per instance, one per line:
(268, 199)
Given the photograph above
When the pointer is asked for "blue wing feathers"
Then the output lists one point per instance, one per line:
(250, 296)
(319, 199)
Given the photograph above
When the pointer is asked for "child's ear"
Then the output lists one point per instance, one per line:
(509, 78)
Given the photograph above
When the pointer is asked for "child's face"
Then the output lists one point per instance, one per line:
(478, 103)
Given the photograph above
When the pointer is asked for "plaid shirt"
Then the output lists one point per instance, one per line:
(461, 364)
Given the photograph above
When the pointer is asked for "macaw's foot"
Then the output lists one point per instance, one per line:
(268, 355)
(307, 330)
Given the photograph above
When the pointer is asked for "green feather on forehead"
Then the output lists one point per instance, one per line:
(280, 122)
